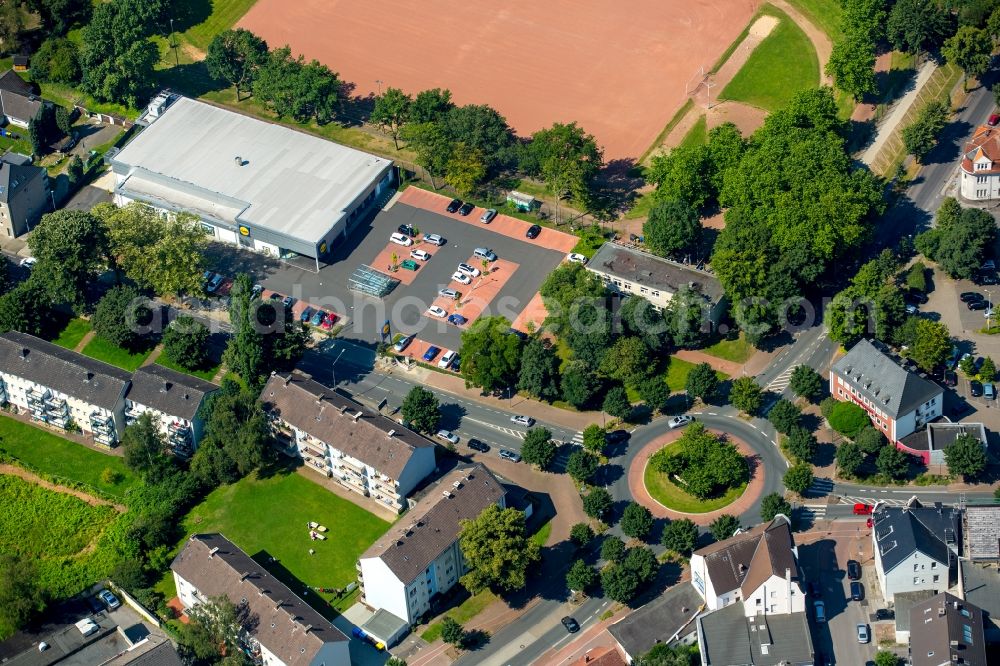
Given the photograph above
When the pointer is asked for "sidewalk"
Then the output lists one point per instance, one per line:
(887, 127)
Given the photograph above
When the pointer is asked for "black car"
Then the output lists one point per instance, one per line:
(950, 378)
(969, 296)
(917, 297)
(988, 278)
(477, 445)
(616, 436)
(533, 231)
(853, 570)
(857, 591)
(976, 305)
(571, 625)
(975, 389)
(454, 205)
(466, 209)
(408, 230)
(885, 614)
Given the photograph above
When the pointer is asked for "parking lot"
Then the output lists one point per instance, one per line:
(513, 280)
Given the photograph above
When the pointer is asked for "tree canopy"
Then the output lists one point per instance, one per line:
(672, 229)
(966, 456)
(705, 463)
(123, 317)
(420, 409)
(70, 246)
(117, 58)
(497, 550)
(235, 56)
(538, 448)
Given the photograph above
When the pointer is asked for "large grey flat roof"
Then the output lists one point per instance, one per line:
(291, 183)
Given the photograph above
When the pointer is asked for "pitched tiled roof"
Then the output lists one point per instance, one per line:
(730, 638)
(288, 627)
(899, 531)
(17, 106)
(168, 391)
(62, 370)
(332, 417)
(433, 524)
(878, 377)
(600, 656)
(11, 82)
(748, 559)
(658, 621)
(985, 142)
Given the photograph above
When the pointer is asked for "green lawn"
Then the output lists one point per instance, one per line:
(462, 613)
(541, 535)
(269, 515)
(56, 532)
(824, 14)
(698, 134)
(103, 350)
(74, 331)
(50, 454)
(664, 491)
(784, 63)
(738, 350)
(677, 373)
(22, 145)
(205, 374)
(225, 14)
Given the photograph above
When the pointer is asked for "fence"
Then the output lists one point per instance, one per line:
(106, 118)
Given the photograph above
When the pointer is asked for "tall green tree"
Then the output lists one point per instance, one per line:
(852, 66)
(806, 382)
(916, 25)
(680, 536)
(431, 106)
(672, 228)
(235, 435)
(970, 49)
(784, 416)
(702, 382)
(920, 136)
(482, 129)
(597, 502)
(627, 360)
(22, 596)
(684, 174)
(932, 345)
(724, 527)
(295, 88)
(772, 504)
(497, 550)
(582, 465)
(636, 521)
(465, 170)
(27, 308)
(58, 16)
(746, 395)
(616, 402)
(579, 384)
(595, 438)
(431, 145)
(213, 631)
(802, 444)
(421, 410)
(849, 458)
(452, 632)
(619, 582)
(966, 456)
(391, 112)
(580, 576)
(567, 159)
(235, 56)
(117, 58)
(122, 317)
(491, 355)
(538, 448)
(143, 445)
(870, 440)
(892, 462)
(612, 549)
(244, 353)
(71, 247)
(798, 478)
(539, 374)
(185, 343)
(57, 60)
(655, 392)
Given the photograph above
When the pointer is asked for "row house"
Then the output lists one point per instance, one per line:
(277, 628)
(173, 399)
(897, 401)
(62, 388)
(368, 453)
(419, 558)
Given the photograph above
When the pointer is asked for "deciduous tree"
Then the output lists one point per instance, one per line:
(185, 343)
(612, 549)
(122, 317)
(144, 445)
(680, 536)
(466, 168)
(117, 58)
(970, 49)
(70, 246)
(806, 382)
(491, 355)
(655, 392)
(784, 416)
(920, 136)
(746, 395)
(579, 384)
(244, 353)
(636, 521)
(580, 576)
(57, 60)
(672, 229)
(430, 106)
(539, 374)
(702, 383)
(597, 502)
(802, 444)
(773, 504)
(421, 410)
(798, 478)
(892, 462)
(235, 56)
(391, 112)
(724, 527)
(567, 159)
(966, 456)
(452, 632)
(616, 402)
(22, 597)
(582, 465)
(538, 448)
(581, 534)
(932, 345)
(627, 360)
(870, 440)
(849, 458)
(595, 438)
(497, 550)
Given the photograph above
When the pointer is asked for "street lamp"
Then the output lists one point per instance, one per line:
(989, 308)
(333, 368)
(173, 43)
(379, 82)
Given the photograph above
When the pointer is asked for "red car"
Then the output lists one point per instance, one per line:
(994, 120)
(862, 509)
(328, 321)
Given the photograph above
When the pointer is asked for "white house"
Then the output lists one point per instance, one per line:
(897, 401)
(62, 388)
(420, 556)
(980, 165)
(368, 453)
(173, 399)
(916, 547)
(18, 102)
(758, 567)
(279, 628)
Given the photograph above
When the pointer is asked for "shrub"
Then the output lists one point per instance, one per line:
(581, 534)
(848, 419)
(636, 521)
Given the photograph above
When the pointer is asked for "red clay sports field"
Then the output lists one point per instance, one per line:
(618, 68)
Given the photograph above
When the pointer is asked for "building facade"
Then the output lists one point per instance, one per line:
(916, 547)
(412, 563)
(253, 184)
(897, 401)
(366, 452)
(979, 168)
(929, 443)
(173, 399)
(61, 388)
(24, 194)
(280, 629)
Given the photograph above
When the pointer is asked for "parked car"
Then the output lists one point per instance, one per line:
(431, 353)
(988, 265)
(454, 205)
(466, 209)
(407, 230)
(488, 215)
(520, 419)
(975, 389)
(477, 445)
(507, 454)
(994, 120)
(911, 309)
(678, 421)
(288, 302)
(401, 239)
(306, 315)
(950, 378)
(857, 591)
(457, 319)
(969, 296)
(471, 271)
(885, 614)
(863, 635)
(976, 305)
(437, 311)
(403, 342)
(616, 436)
(572, 626)
(533, 231)
(814, 590)
(917, 297)
(853, 570)
(446, 360)
(448, 436)
(328, 321)
(450, 293)
(110, 600)
(460, 277)
(28, 262)
(989, 392)
(87, 626)
(820, 609)
(257, 290)
(317, 318)
(422, 255)
(433, 239)
(576, 258)
(988, 278)
(485, 253)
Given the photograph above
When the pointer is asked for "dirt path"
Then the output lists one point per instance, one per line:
(14, 470)
(84, 341)
(820, 41)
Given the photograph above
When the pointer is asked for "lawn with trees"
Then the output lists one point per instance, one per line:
(698, 473)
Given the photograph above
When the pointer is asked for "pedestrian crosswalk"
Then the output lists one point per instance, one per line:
(577, 439)
(812, 512)
(873, 500)
(781, 382)
(821, 487)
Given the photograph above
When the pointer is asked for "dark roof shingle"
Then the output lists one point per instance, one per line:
(63, 370)
(891, 388)
(748, 559)
(658, 621)
(16, 172)
(287, 626)
(946, 630)
(168, 391)
(11, 82)
(899, 531)
(18, 106)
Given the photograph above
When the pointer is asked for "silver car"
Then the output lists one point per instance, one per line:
(863, 635)
(507, 454)
(449, 293)
(680, 421)
(488, 215)
(433, 239)
(448, 436)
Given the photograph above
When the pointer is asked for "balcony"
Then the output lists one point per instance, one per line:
(391, 502)
(132, 414)
(354, 484)
(384, 487)
(56, 407)
(351, 464)
(108, 439)
(37, 395)
(178, 432)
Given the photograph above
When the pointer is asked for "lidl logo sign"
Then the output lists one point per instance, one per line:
(322, 247)
(244, 230)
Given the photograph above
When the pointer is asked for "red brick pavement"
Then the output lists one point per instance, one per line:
(637, 485)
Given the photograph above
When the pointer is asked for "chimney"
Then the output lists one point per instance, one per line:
(277, 604)
(343, 410)
(238, 160)
(212, 552)
(244, 576)
(90, 377)
(166, 386)
(307, 628)
(357, 416)
(24, 353)
(288, 379)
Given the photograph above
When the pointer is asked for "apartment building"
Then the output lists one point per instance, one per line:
(946, 630)
(897, 401)
(279, 628)
(62, 388)
(24, 194)
(172, 399)
(368, 453)
(420, 557)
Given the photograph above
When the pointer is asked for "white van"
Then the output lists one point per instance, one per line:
(87, 626)
(485, 253)
(400, 239)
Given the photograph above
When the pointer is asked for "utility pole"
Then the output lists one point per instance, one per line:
(173, 43)
(379, 82)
